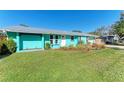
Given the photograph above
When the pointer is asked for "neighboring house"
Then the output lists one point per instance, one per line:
(98, 40)
(91, 39)
(34, 38)
(110, 39)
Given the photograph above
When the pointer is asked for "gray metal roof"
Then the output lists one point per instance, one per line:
(1, 30)
(22, 29)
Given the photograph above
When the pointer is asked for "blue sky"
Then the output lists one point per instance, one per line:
(84, 20)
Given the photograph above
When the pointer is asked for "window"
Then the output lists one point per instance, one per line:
(63, 37)
(72, 38)
(56, 36)
(56, 39)
(51, 39)
(51, 36)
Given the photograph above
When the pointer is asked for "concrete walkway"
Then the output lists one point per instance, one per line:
(115, 46)
(31, 50)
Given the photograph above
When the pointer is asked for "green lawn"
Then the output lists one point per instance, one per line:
(56, 65)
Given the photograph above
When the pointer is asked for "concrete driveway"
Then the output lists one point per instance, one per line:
(115, 46)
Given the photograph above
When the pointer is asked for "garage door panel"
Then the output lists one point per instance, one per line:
(31, 41)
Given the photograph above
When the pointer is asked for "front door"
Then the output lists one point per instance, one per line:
(63, 42)
(79, 39)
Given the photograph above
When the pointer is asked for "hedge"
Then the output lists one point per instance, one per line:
(7, 47)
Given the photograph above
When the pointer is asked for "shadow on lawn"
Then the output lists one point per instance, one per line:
(3, 56)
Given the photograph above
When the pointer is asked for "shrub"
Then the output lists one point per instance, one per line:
(80, 42)
(71, 46)
(64, 48)
(81, 46)
(84, 47)
(7, 47)
(11, 45)
(3, 48)
(98, 46)
(88, 47)
(88, 43)
(94, 46)
(47, 46)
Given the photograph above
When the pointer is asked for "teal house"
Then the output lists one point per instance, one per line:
(36, 38)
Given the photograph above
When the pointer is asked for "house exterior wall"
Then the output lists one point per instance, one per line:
(28, 41)
(75, 40)
(12, 35)
(56, 45)
(70, 42)
(18, 41)
(84, 39)
(25, 41)
(15, 37)
(91, 40)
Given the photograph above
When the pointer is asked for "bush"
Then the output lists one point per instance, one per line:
(84, 48)
(98, 46)
(101, 46)
(7, 47)
(80, 42)
(11, 45)
(3, 47)
(64, 48)
(81, 46)
(71, 46)
(47, 46)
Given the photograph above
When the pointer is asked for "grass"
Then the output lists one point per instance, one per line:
(58, 65)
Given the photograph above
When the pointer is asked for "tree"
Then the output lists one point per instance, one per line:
(100, 31)
(93, 33)
(110, 30)
(118, 27)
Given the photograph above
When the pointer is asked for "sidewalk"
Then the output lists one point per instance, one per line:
(115, 46)
(31, 50)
